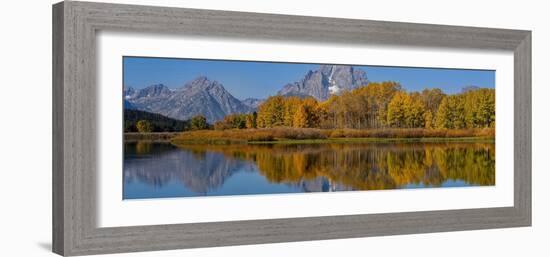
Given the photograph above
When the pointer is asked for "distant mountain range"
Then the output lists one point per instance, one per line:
(211, 99)
(199, 96)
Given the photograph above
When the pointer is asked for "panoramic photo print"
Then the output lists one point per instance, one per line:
(195, 127)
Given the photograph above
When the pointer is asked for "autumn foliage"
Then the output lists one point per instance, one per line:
(377, 105)
(381, 110)
(384, 166)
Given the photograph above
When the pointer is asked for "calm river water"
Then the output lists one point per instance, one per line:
(155, 170)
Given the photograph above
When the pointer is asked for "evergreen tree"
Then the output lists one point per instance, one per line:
(251, 120)
(198, 122)
(144, 126)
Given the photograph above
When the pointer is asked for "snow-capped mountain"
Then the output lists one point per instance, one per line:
(325, 81)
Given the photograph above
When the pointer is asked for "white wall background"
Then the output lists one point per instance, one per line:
(25, 128)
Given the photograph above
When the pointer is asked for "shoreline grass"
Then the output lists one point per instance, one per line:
(378, 140)
(312, 136)
(150, 136)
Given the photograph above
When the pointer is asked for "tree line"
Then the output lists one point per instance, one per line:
(142, 121)
(146, 122)
(376, 105)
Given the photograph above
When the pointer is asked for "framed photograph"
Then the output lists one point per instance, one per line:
(183, 128)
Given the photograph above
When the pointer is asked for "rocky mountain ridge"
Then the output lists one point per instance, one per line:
(211, 99)
(199, 96)
(325, 81)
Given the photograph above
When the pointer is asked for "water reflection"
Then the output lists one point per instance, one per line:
(162, 170)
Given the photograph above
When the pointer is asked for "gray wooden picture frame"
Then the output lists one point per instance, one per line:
(75, 25)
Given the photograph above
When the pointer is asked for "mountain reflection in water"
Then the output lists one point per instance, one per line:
(153, 170)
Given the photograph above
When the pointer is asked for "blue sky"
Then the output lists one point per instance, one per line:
(261, 79)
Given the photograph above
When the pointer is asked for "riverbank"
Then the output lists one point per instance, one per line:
(308, 135)
(151, 136)
(379, 140)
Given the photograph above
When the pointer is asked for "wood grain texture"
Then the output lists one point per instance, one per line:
(75, 25)
(522, 128)
(58, 231)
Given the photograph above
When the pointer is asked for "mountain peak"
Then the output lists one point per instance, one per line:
(252, 102)
(469, 88)
(128, 92)
(155, 90)
(156, 86)
(203, 83)
(200, 79)
(326, 80)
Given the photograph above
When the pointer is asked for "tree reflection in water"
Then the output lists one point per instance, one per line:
(313, 167)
